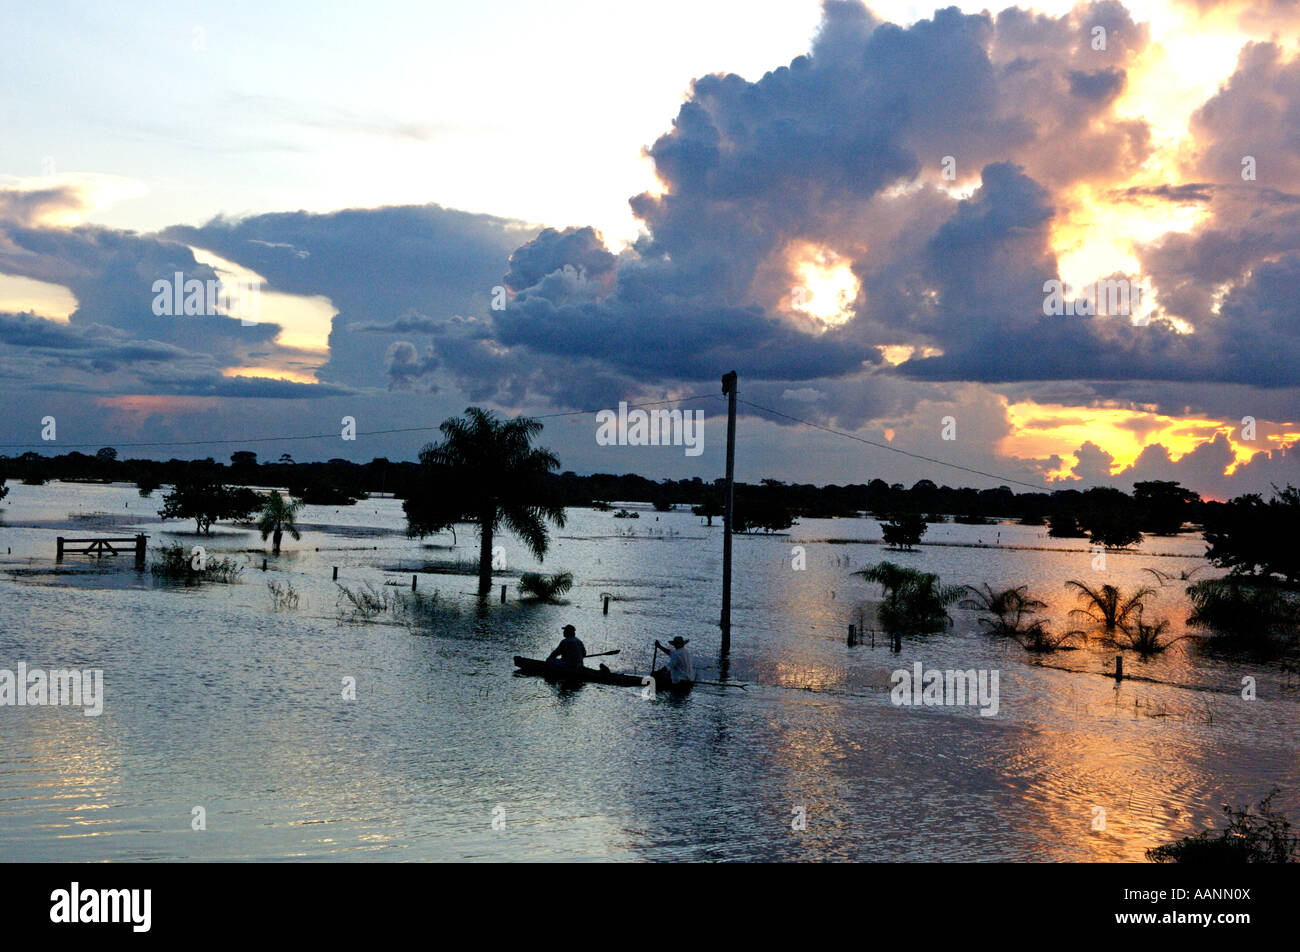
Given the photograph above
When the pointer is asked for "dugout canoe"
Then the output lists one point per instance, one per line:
(552, 673)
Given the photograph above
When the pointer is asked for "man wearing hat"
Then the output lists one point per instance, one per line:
(570, 651)
(680, 670)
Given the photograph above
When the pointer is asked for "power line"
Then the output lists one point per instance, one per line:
(332, 435)
(892, 449)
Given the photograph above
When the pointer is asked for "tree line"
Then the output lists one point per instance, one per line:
(486, 471)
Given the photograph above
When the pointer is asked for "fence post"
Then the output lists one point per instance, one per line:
(139, 550)
(58, 555)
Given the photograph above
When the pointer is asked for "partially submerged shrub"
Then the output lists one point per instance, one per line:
(363, 603)
(1036, 638)
(1243, 610)
(420, 610)
(284, 597)
(1260, 837)
(181, 564)
(545, 588)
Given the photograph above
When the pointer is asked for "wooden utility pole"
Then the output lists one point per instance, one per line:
(728, 505)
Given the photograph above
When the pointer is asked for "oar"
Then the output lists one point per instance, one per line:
(601, 654)
(723, 684)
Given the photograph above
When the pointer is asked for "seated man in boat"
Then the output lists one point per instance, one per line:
(569, 652)
(679, 672)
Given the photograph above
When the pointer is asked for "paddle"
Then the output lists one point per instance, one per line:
(601, 654)
(722, 684)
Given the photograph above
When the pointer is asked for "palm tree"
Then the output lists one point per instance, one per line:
(487, 471)
(915, 602)
(278, 517)
(1145, 638)
(1008, 607)
(1106, 606)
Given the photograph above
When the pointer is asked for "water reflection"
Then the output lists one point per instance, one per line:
(214, 699)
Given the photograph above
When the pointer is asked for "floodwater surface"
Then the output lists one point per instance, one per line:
(214, 700)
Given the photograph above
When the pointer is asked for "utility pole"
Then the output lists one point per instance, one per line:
(728, 504)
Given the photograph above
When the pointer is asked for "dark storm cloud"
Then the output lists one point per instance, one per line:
(814, 152)
(377, 266)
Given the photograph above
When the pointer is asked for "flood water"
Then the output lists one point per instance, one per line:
(214, 700)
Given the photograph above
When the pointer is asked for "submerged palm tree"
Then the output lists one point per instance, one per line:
(487, 471)
(1184, 576)
(278, 517)
(1106, 606)
(1008, 608)
(1144, 638)
(915, 602)
(545, 588)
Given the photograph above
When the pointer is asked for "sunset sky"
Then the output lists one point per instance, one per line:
(856, 208)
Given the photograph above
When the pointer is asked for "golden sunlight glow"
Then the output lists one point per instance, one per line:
(827, 286)
(272, 373)
(895, 354)
(1041, 430)
(51, 301)
(304, 322)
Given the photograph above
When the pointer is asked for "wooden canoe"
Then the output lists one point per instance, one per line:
(554, 673)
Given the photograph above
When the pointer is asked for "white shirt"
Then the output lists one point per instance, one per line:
(680, 666)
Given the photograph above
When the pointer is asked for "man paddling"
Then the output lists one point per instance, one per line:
(569, 652)
(679, 672)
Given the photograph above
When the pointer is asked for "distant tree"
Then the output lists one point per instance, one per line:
(209, 502)
(278, 517)
(487, 471)
(106, 454)
(710, 506)
(1064, 525)
(146, 483)
(761, 511)
(903, 530)
(241, 458)
(1110, 518)
(1163, 505)
(4, 490)
(286, 458)
(1253, 537)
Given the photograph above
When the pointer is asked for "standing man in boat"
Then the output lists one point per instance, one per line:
(679, 672)
(569, 652)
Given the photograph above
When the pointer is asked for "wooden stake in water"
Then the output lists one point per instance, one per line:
(728, 388)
